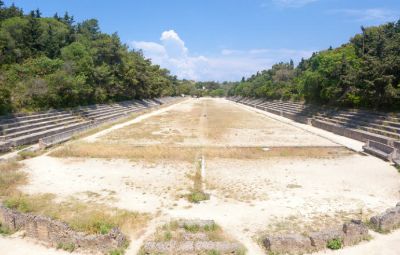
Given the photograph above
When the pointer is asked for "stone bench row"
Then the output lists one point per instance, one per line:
(360, 118)
(65, 136)
(37, 123)
(383, 151)
(361, 125)
(34, 137)
(107, 111)
(26, 129)
(350, 129)
(7, 119)
(370, 114)
(31, 121)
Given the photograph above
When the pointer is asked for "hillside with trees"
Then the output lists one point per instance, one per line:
(364, 73)
(55, 62)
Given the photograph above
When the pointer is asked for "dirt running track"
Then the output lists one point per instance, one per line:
(264, 176)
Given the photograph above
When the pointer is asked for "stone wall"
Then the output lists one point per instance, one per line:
(58, 233)
(388, 220)
(349, 234)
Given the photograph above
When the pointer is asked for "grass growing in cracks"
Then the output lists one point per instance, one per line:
(197, 195)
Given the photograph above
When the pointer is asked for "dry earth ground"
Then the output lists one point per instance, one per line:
(264, 176)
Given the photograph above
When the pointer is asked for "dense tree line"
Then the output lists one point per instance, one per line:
(55, 62)
(362, 73)
(203, 88)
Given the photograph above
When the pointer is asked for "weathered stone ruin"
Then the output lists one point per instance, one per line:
(56, 233)
(387, 221)
(186, 241)
(350, 233)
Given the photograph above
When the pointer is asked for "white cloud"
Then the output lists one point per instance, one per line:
(292, 3)
(229, 65)
(373, 14)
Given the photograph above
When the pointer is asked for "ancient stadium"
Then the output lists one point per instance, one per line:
(202, 176)
(252, 127)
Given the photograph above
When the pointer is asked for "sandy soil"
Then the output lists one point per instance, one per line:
(248, 197)
(208, 122)
(19, 246)
(142, 187)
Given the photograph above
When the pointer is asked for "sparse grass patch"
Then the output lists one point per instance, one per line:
(167, 236)
(30, 154)
(10, 178)
(198, 196)
(297, 224)
(192, 228)
(81, 216)
(70, 247)
(4, 231)
(259, 153)
(123, 151)
(293, 186)
(117, 252)
(334, 244)
(175, 232)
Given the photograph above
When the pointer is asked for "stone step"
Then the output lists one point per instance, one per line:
(109, 109)
(29, 125)
(15, 122)
(93, 114)
(26, 117)
(380, 150)
(367, 115)
(359, 125)
(41, 128)
(33, 138)
(394, 135)
(352, 133)
(98, 115)
(362, 118)
(4, 146)
(116, 114)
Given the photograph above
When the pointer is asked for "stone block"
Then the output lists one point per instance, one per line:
(222, 247)
(320, 239)
(291, 243)
(159, 247)
(199, 223)
(354, 231)
(195, 236)
(388, 220)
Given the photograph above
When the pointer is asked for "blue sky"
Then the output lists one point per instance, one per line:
(226, 39)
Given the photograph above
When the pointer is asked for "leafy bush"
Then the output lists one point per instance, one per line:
(334, 244)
